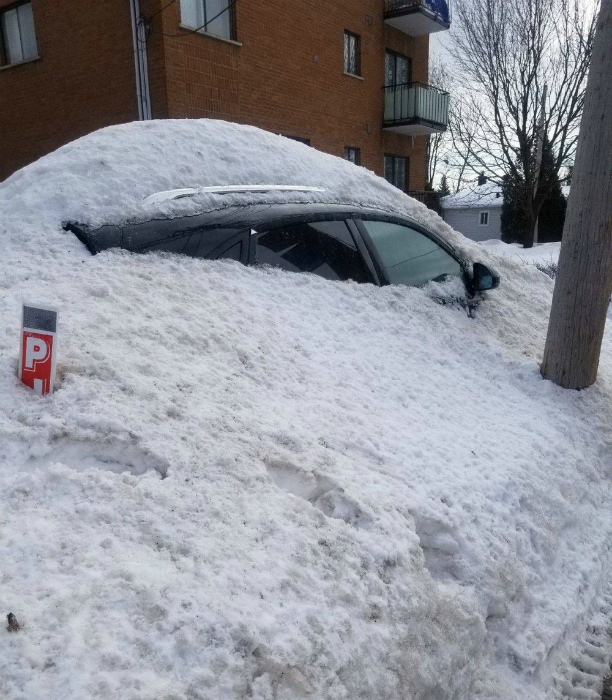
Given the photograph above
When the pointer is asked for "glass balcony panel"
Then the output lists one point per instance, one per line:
(415, 105)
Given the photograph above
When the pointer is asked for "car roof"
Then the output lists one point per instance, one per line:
(230, 217)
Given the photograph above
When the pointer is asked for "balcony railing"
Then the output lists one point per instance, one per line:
(429, 198)
(415, 108)
(418, 17)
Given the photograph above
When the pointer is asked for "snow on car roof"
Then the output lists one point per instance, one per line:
(226, 189)
(252, 483)
(80, 180)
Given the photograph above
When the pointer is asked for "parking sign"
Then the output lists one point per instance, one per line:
(38, 347)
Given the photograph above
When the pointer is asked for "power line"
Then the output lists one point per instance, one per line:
(165, 7)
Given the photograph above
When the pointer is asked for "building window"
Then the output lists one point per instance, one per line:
(352, 53)
(484, 218)
(353, 154)
(17, 35)
(396, 171)
(299, 139)
(210, 16)
(398, 69)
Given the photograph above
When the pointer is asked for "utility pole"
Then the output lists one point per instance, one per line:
(139, 39)
(539, 156)
(584, 277)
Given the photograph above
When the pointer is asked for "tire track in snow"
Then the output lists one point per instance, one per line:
(581, 678)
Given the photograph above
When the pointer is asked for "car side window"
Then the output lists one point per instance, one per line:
(211, 244)
(408, 256)
(325, 248)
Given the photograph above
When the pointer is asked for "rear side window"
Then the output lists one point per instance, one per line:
(324, 248)
(212, 244)
(409, 257)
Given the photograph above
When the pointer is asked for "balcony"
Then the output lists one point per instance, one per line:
(418, 17)
(415, 109)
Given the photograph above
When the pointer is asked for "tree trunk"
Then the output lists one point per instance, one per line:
(584, 276)
(529, 230)
(531, 216)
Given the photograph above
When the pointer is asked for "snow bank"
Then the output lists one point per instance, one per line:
(253, 484)
(544, 253)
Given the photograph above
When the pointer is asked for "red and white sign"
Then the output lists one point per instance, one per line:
(38, 347)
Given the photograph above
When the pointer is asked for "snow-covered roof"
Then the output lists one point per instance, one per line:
(252, 483)
(487, 196)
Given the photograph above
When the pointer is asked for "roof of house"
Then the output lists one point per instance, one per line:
(475, 197)
(478, 196)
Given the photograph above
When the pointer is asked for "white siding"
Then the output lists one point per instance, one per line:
(466, 221)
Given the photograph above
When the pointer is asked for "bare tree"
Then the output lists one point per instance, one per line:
(584, 277)
(437, 144)
(506, 53)
(463, 140)
(443, 155)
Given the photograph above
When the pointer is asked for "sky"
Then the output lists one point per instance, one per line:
(439, 44)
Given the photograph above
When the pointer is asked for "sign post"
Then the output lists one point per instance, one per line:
(38, 347)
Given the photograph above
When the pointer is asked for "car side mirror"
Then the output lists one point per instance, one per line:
(484, 278)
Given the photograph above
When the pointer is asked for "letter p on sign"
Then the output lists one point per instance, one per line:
(38, 346)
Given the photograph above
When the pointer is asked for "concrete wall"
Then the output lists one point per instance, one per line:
(284, 74)
(466, 221)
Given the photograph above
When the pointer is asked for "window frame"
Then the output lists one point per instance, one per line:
(299, 139)
(406, 187)
(357, 38)
(397, 55)
(231, 9)
(484, 213)
(4, 62)
(356, 150)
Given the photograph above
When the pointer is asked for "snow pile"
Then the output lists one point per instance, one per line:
(542, 254)
(256, 484)
(103, 178)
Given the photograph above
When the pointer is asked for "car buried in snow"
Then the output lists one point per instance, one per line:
(334, 241)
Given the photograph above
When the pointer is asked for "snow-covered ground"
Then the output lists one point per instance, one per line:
(256, 484)
(544, 253)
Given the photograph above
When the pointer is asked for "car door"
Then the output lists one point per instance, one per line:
(406, 255)
(324, 248)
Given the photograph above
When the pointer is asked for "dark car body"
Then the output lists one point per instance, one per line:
(334, 241)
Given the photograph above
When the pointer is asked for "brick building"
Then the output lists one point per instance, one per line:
(309, 69)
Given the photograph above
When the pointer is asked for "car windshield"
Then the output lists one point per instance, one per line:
(410, 257)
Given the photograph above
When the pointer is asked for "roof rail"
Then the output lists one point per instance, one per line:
(226, 189)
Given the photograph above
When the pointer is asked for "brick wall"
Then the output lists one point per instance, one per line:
(84, 79)
(286, 76)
